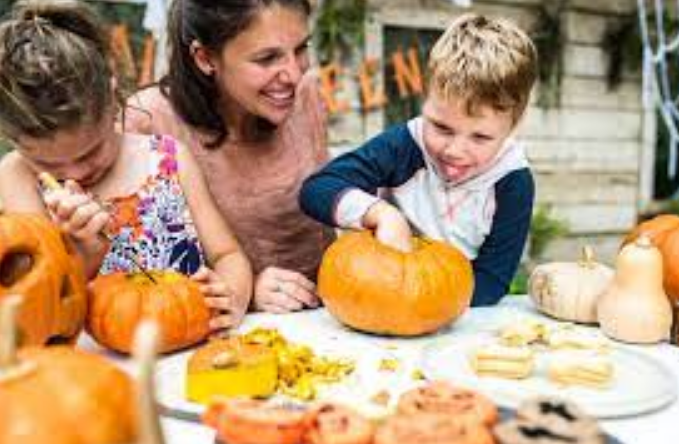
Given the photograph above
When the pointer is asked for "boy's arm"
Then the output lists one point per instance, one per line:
(501, 252)
(342, 192)
(223, 253)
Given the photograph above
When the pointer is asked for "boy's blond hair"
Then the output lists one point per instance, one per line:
(484, 62)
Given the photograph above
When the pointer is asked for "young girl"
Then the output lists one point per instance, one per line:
(58, 109)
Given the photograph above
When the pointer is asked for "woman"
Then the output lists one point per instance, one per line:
(239, 95)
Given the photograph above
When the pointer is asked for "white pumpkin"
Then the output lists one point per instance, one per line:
(569, 290)
(635, 307)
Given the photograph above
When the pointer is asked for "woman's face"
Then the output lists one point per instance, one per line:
(260, 69)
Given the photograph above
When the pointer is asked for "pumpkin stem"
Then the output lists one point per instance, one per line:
(644, 241)
(144, 349)
(587, 257)
(8, 333)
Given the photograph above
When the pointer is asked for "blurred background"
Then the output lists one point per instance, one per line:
(599, 131)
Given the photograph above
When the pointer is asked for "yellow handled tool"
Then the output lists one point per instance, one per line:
(48, 182)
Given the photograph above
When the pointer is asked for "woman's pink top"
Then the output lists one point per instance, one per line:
(256, 185)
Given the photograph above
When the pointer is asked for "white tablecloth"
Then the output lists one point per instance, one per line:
(310, 327)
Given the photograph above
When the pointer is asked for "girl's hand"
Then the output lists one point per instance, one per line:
(220, 298)
(77, 213)
(390, 226)
(278, 290)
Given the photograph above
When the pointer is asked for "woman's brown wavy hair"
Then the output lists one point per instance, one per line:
(213, 23)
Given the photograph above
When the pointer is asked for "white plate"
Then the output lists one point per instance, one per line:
(360, 384)
(641, 384)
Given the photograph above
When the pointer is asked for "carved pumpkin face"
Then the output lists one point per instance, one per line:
(119, 301)
(36, 263)
(377, 289)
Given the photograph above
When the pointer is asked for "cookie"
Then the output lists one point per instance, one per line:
(502, 361)
(549, 421)
(431, 428)
(582, 368)
(442, 397)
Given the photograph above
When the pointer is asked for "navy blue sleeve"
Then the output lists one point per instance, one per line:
(499, 256)
(386, 161)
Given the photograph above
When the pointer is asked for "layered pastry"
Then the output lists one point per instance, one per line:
(329, 423)
(442, 397)
(502, 361)
(230, 368)
(525, 332)
(571, 337)
(580, 367)
(549, 421)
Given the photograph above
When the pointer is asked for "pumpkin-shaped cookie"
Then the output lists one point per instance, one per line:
(375, 288)
(119, 301)
(36, 263)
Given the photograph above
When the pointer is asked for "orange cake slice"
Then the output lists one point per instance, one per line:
(230, 368)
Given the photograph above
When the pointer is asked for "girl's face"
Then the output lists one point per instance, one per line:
(83, 154)
(461, 145)
(259, 70)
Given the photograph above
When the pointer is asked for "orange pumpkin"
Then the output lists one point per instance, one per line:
(664, 233)
(36, 263)
(58, 395)
(119, 301)
(375, 288)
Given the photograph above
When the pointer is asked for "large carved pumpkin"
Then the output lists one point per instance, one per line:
(36, 263)
(375, 288)
(664, 233)
(119, 301)
(58, 395)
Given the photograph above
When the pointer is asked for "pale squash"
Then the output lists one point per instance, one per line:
(570, 290)
(635, 307)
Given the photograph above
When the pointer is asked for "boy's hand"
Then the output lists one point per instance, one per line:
(77, 213)
(390, 226)
(220, 298)
(278, 290)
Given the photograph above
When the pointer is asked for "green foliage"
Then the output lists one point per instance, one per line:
(549, 39)
(340, 28)
(519, 284)
(544, 229)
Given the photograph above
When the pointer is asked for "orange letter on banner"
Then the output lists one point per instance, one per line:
(372, 98)
(408, 75)
(330, 87)
(147, 61)
(122, 53)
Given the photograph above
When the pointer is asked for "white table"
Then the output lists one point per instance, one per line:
(309, 326)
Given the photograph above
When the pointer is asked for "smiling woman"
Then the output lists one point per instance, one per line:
(239, 94)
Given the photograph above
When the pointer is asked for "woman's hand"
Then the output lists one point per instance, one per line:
(226, 310)
(390, 226)
(278, 290)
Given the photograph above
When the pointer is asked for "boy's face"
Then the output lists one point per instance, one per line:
(462, 146)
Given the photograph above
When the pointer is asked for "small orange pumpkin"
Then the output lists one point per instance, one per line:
(664, 233)
(119, 301)
(36, 263)
(58, 395)
(375, 288)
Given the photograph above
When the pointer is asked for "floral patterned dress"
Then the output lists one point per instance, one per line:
(154, 225)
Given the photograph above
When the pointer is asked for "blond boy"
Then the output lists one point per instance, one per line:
(455, 173)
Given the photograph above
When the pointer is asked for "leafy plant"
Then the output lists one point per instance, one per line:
(340, 28)
(544, 229)
(549, 39)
